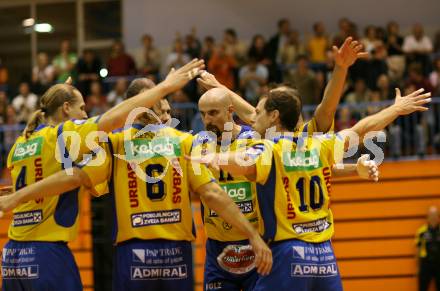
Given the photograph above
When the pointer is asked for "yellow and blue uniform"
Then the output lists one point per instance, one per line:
(37, 254)
(153, 217)
(220, 273)
(292, 176)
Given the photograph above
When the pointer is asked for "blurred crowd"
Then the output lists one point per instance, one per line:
(302, 59)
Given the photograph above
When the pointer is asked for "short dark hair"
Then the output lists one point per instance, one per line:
(137, 86)
(282, 21)
(288, 103)
(231, 32)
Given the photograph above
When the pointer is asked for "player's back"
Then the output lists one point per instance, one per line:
(34, 158)
(294, 187)
(151, 184)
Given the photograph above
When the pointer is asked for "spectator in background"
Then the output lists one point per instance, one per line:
(437, 42)
(416, 78)
(222, 66)
(177, 57)
(11, 135)
(370, 40)
(120, 63)
(43, 74)
(318, 44)
(434, 78)
(149, 62)
(96, 101)
(428, 250)
(117, 95)
(258, 50)
(25, 103)
(87, 69)
(345, 29)
(304, 80)
(359, 95)
(373, 98)
(396, 58)
(291, 49)
(417, 48)
(208, 48)
(234, 47)
(252, 77)
(64, 62)
(3, 74)
(385, 88)
(192, 45)
(345, 119)
(274, 50)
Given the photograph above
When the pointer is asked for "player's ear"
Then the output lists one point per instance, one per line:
(274, 115)
(66, 108)
(231, 109)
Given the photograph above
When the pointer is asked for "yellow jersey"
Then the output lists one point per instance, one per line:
(158, 207)
(241, 190)
(293, 181)
(35, 158)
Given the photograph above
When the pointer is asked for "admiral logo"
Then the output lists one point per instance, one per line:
(27, 218)
(238, 191)
(21, 272)
(314, 270)
(155, 273)
(28, 149)
(319, 225)
(157, 147)
(155, 218)
(300, 161)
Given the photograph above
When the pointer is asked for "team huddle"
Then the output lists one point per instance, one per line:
(264, 184)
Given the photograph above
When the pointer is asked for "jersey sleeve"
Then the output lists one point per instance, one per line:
(80, 129)
(261, 152)
(332, 147)
(311, 127)
(98, 173)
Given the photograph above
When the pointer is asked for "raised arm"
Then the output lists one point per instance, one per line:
(402, 106)
(364, 168)
(217, 199)
(176, 79)
(53, 185)
(345, 56)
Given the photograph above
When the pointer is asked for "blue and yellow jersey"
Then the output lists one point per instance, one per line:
(310, 127)
(239, 188)
(293, 186)
(158, 207)
(37, 157)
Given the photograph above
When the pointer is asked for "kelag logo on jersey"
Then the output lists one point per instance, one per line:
(28, 149)
(238, 191)
(301, 161)
(157, 147)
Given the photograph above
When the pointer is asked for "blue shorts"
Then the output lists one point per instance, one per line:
(301, 266)
(153, 265)
(227, 276)
(39, 266)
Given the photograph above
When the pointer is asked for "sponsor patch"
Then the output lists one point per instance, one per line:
(27, 218)
(155, 218)
(237, 259)
(319, 225)
(28, 149)
(314, 270)
(301, 161)
(20, 272)
(155, 273)
(151, 148)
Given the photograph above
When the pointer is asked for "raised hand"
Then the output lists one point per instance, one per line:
(348, 53)
(177, 79)
(367, 169)
(411, 103)
(208, 81)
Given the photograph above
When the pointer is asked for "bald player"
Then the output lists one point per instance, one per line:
(229, 261)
